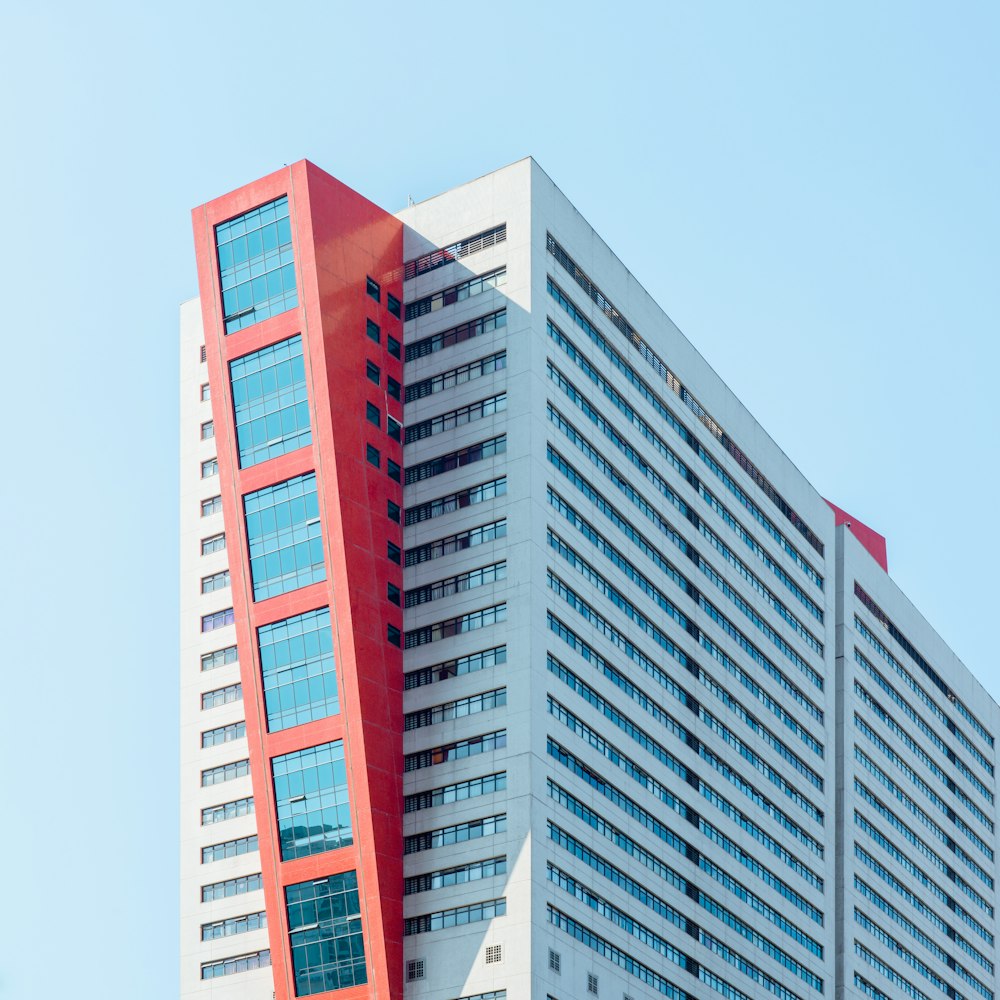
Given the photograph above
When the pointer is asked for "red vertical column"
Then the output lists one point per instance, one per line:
(340, 240)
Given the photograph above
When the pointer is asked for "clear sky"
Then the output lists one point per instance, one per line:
(809, 189)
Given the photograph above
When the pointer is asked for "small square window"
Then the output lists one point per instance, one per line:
(215, 543)
(394, 512)
(373, 372)
(394, 305)
(373, 331)
(494, 954)
(372, 414)
(592, 983)
(393, 346)
(373, 455)
(393, 635)
(207, 430)
(210, 467)
(211, 506)
(414, 970)
(395, 472)
(393, 388)
(393, 594)
(206, 393)
(393, 552)
(394, 428)
(373, 289)
(203, 354)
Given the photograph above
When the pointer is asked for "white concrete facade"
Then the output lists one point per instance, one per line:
(201, 558)
(633, 685)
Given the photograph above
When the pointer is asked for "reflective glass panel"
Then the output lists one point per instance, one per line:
(283, 532)
(256, 265)
(310, 793)
(300, 678)
(270, 402)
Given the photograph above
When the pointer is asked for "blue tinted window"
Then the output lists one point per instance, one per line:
(300, 678)
(324, 924)
(256, 265)
(269, 397)
(283, 531)
(310, 793)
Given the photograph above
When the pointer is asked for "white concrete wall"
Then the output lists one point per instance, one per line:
(257, 984)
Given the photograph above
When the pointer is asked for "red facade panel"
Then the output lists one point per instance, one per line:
(339, 239)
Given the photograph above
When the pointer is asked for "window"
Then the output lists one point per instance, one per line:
(211, 506)
(457, 376)
(206, 389)
(373, 456)
(394, 347)
(456, 626)
(458, 709)
(457, 418)
(555, 961)
(458, 542)
(471, 663)
(394, 428)
(393, 594)
(393, 553)
(373, 289)
(456, 917)
(234, 925)
(457, 293)
(285, 540)
(373, 415)
(393, 388)
(458, 584)
(270, 402)
(225, 772)
(592, 983)
(373, 331)
(414, 970)
(393, 510)
(373, 372)
(393, 635)
(219, 658)
(310, 792)
(393, 305)
(218, 619)
(231, 887)
(494, 953)
(456, 459)
(221, 696)
(457, 501)
(256, 265)
(456, 335)
(459, 750)
(298, 669)
(241, 963)
(207, 430)
(457, 834)
(217, 581)
(394, 470)
(214, 543)
(324, 930)
(224, 734)
(210, 467)
(228, 810)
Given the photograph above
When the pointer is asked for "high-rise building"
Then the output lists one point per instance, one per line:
(517, 660)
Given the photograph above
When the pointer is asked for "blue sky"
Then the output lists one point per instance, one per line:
(808, 189)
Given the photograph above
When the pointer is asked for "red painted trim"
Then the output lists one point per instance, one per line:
(339, 239)
(869, 538)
